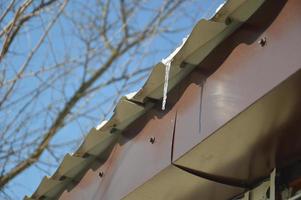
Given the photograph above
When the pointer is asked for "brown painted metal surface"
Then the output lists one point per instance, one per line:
(264, 136)
(143, 150)
(187, 129)
(239, 72)
(175, 184)
(246, 70)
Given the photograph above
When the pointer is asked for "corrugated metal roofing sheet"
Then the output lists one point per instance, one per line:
(205, 36)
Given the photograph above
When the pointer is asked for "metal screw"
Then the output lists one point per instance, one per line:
(228, 21)
(113, 130)
(183, 65)
(262, 41)
(100, 174)
(152, 140)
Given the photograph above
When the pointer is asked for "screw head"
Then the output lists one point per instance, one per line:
(152, 140)
(262, 42)
(183, 65)
(113, 130)
(228, 21)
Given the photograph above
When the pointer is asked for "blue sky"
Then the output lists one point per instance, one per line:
(27, 182)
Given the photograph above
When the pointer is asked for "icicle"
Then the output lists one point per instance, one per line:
(167, 69)
(167, 62)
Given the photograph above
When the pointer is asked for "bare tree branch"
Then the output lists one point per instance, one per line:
(58, 62)
(13, 27)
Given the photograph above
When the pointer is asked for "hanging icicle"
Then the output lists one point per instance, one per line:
(167, 62)
(165, 89)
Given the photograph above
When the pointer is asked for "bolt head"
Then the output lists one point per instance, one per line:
(262, 42)
(152, 140)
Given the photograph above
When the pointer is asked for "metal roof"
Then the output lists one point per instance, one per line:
(205, 36)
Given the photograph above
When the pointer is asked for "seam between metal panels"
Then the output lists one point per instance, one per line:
(219, 179)
(173, 137)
